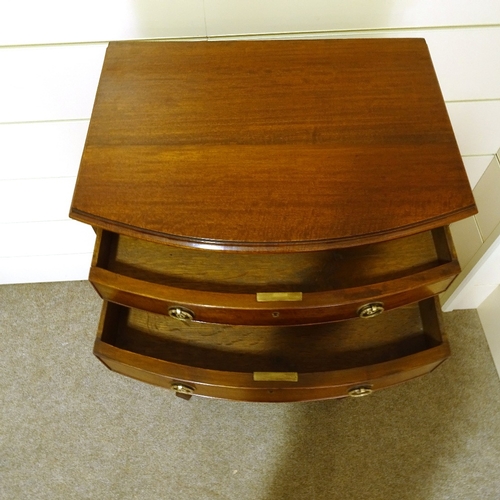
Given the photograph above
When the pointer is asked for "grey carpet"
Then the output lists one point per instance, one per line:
(71, 429)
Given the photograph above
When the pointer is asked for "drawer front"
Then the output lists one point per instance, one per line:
(346, 359)
(276, 393)
(244, 309)
(300, 289)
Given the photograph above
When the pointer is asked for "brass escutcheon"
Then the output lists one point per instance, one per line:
(370, 310)
(357, 392)
(275, 376)
(279, 296)
(181, 313)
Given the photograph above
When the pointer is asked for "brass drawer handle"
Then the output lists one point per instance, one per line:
(370, 310)
(358, 392)
(182, 389)
(180, 313)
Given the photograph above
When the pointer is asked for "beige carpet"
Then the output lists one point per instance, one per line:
(71, 429)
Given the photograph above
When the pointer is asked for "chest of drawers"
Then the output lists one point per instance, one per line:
(271, 217)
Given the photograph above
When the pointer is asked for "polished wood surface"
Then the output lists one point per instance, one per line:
(216, 172)
(222, 287)
(224, 272)
(270, 146)
(220, 362)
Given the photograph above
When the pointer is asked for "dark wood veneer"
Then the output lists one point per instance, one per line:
(220, 361)
(221, 287)
(215, 172)
(270, 146)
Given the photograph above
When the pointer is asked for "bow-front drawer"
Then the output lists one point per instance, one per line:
(350, 358)
(272, 289)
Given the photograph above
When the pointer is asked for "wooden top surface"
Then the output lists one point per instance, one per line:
(270, 146)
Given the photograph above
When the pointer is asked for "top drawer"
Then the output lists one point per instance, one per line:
(272, 289)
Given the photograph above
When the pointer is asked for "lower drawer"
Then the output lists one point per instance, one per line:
(273, 364)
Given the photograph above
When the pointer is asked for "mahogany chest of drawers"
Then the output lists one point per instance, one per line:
(271, 216)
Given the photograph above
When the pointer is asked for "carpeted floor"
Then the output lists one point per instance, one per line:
(71, 429)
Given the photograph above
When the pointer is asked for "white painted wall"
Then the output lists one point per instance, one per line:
(46, 99)
(488, 314)
(478, 246)
(51, 53)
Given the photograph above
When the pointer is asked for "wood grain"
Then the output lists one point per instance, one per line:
(270, 146)
(221, 287)
(195, 269)
(216, 171)
(220, 362)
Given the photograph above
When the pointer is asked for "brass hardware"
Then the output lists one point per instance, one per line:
(182, 389)
(279, 296)
(358, 392)
(275, 376)
(371, 309)
(181, 313)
